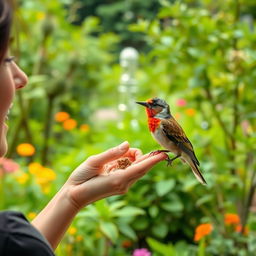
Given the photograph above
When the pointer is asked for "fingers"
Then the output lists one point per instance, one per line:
(115, 183)
(109, 155)
(133, 153)
(138, 169)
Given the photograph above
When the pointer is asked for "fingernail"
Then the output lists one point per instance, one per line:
(123, 146)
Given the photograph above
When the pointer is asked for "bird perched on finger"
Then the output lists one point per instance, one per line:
(170, 135)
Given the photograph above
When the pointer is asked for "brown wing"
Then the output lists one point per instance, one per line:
(176, 134)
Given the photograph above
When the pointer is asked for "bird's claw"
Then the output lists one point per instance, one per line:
(153, 153)
(169, 161)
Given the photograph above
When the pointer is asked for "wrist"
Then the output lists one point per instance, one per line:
(66, 198)
(56, 217)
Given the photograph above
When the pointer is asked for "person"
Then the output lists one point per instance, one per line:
(94, 179)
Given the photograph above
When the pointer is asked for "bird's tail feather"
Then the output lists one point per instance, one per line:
(196, 171)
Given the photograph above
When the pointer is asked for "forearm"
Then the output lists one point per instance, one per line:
(56, 217)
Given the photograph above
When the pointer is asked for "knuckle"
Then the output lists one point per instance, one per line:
(91, 159)
(119, 186)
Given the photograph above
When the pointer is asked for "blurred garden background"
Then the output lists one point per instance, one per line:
(198, 55)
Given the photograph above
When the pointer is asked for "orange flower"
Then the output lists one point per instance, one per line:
(25, 149)
(79, 238)
(69, 124)
(239, 229)
(202, 230)
(61, 116)
(231, 218)
(84, 127)
(190, 111)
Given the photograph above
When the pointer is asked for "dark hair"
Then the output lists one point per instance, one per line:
(5, 26)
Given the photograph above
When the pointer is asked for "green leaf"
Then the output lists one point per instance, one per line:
(160, 230)
(109, 230)
(174, 206)
(153, 211)
(116, 205)
(164, 186)
(165, 250)
(129, 211)
(141, 223)
(204, 199)
(127, 231)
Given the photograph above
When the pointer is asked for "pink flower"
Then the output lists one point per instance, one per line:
(141, 252)
(181, 102)
(8, 165)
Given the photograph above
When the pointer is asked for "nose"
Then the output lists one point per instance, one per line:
(19, 77)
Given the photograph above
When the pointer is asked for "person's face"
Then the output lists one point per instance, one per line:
(12, 78)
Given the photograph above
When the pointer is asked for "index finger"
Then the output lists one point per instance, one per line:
(137, 170)
(134, 154)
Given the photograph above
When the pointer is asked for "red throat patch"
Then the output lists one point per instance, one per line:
(153, 123)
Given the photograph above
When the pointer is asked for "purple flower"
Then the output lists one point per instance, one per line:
(141, 252)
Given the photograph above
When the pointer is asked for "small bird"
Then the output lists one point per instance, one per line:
(169, 134)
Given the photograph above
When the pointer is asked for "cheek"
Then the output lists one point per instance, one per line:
(7, 91)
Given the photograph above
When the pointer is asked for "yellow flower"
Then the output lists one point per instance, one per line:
(45, 176)
(34, 168)
(61, 116)
(23, 178)
(72, 230)
(31, 215)
(69, 124)
(25, 149)
(84, 127)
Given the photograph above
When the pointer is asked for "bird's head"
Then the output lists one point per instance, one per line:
(156, 107)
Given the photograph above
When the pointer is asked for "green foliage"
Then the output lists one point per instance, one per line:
(202, 52)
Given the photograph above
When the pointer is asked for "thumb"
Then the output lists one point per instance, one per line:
(109, 155)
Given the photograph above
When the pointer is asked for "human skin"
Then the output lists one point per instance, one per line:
(12, 78)
(92, 180)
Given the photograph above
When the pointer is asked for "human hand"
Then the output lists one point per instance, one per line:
(97, 177)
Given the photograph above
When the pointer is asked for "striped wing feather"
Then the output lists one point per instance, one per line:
(176, 134)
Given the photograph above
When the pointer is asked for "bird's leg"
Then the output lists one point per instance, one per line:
(169, 160)
(158, 151)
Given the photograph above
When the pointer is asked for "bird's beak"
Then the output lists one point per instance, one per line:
(145, 104)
